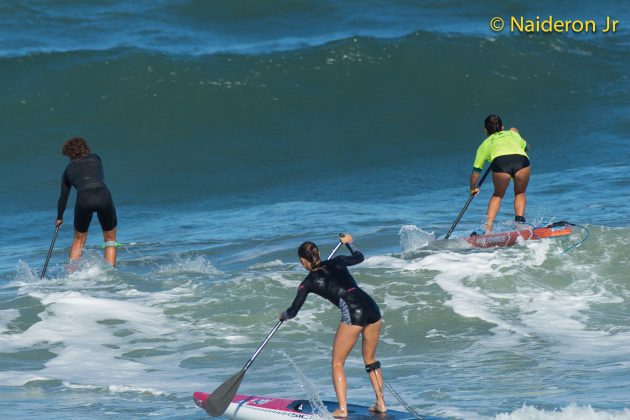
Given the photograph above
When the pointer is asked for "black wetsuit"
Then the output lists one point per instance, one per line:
(333, 281)
(86, 175)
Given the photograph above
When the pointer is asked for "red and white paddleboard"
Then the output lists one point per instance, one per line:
(247, 407)
(511, 238)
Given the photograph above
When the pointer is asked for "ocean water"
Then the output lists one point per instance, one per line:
(231, 131)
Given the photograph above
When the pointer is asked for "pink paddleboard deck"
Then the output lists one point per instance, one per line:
(248, 407)
(511, 238)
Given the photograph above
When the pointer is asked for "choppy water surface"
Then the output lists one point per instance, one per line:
(231, 133)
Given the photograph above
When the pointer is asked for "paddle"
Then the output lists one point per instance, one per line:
(220, 399)
(50, 250)
(461, 213)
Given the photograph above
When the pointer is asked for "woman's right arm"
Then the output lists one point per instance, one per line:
(299, 300)
(474, 177)
(63, 197)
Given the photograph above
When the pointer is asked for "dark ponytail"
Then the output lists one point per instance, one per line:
(493, 124)
(310, 252)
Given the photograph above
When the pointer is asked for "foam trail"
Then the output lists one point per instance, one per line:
(6, 316)
(571, 412)
(68, 318)
(319, 409)
(412, 238)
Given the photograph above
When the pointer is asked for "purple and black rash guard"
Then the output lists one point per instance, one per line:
(333, 282)
(85, 173)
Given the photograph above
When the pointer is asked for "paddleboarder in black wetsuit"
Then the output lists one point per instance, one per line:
(359, 315)
(85, 173)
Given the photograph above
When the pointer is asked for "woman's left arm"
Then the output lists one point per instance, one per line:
(356, 257)
(526, 143)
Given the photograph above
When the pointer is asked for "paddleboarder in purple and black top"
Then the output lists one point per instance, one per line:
(85, 173)
(360, 315)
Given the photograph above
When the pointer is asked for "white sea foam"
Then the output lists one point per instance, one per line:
(525, 306)
(308, 387)
(434, 333)
(282, 278)
(6, 316)
(457, 278)
(118, 389)
(24, 274)
(197, 265)
(91, 272)
(559, 315)
(389, 262)
(310, 317)
(237, 339)
(571, 412)
(265, 265)
(391, 302)
(413, 238)
(133, 293)
(172, 296)
(88, 268)
(19, 378)
(76, 327)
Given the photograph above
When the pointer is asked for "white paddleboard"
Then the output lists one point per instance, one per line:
(248, 407)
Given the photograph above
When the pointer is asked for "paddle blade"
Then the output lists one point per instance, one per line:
(220, 399)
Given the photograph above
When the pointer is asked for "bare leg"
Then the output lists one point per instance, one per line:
(368, 346)
(345, 339)
(521, 179)
(110, 251)
(501, 181)
(77, 245)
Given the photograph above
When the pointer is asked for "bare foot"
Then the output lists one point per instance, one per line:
(378, 407)
(340, 413)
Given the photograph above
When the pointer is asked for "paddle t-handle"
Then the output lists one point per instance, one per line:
(341, 235)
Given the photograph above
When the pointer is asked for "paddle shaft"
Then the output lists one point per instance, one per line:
(461, 213)
(334, 250)
(50, 250)
(264, 343)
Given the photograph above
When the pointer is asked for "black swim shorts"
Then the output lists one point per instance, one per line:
(509, 164)
(95, 200)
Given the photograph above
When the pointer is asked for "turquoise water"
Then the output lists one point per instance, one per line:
(233, 131)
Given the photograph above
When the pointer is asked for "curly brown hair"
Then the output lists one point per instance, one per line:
(75, 148)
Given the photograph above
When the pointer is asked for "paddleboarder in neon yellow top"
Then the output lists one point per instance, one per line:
(506, 152)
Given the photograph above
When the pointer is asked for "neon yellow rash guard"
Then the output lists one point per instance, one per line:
(498, 144)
